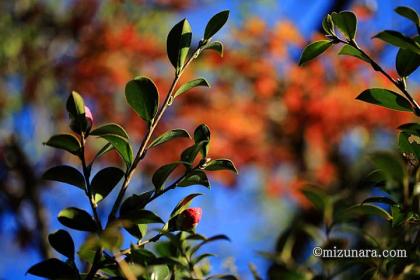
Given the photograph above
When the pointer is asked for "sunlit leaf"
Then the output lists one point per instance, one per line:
(196, 177)
(220, 164)
(169, 135)
(352, 51)
(397, 39)
(385, 98)
(65, 174)
(191, 84)
(110, 128)
(408, 13)
(65, 142)
(77, 219)
(178, 43)
(216, 46)
(313, 50)
(121, 145)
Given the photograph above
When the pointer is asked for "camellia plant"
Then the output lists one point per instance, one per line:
(175, 254)
(348, 219)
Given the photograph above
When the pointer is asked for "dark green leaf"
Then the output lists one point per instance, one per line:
(316, 197)
(215, 24)
(75, 104)
(196, 177)
(399, 40)
(178, 44)
(110, 128)
(62, 242)
(65, 174)
(346, 23)
(65, 142)
(221, 164)
(161, 175)
(202, 135)
(328, 25)
(169, 135)
(202, 257)
(141, 216)
(53, 269)
(352, 51)
(409, 13)
(391, 166)
(385, 98)
(208, 240)
(143, 97)
(408, 146)
(77, 219)
(121, 145)
(313, 50)
(407, 62)
(183, 204)
(412, 128)
(397, 215)
(365, 209)
(105, 149)
(379, 199)
(189, 154)
(104, 181)
(215, 46)
(135, 202)
(191, 84)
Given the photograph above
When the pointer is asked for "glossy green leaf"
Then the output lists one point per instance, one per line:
(365, 209)
(178, 44)
(110, 128)
(328, 25)
(352, 51)
(189, 154)
(379, 199)
(397, 215)
(104, 182)
(391, 166)
(141, 216)
(160, 272)
(220, 164)
(105, 149)
(53, 269)
(313, 50)
(65, 142)
(407, 146)
(385, 98)
(346, 23)
(196, 177)
(65, 174)
(184, 204)
(75, 104)
(191, 84)
(215, 24)
(77, 219)
(412, 128)
(407, 62)
(62, 242)
(202, 135)
(408, 13)
(318, 198)
(216, 46)
(161, 175)
(135, 202)
(397, 39)
(121, 145)
(143, 97)
(169, 135)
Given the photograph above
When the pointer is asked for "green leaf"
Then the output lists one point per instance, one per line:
(65, 174)
(189, 154)
(365, 209)
(318, 198)
(399, 40)
(408, 13)
(105, 149)
(76, 109)
(328, 24)
(65, 142)
(141, 216)
(313, 50)
(183, 204)
(77, 219)
(379, 199)
(407, 146)
(143, 97)
(412, 128)
(135, 202)
(215, 24)
(62, 242)
(216, 46)
(407, 62)
(104, 181)
(220, 164)
(160, 272)
(202, 135)
(385, 98)
(208, 240)
(178, 44)
(161, 175)
(346, 23)
(391, 166)
(121, 145)
(53, 269)
(191, 84)
(352, 51)
(196, 177)
(397, 215)
(110, 128)
(169, 135)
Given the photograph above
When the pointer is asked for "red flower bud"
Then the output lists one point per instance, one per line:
(188, 219)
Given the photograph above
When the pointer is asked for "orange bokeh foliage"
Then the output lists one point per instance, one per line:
(262, 108)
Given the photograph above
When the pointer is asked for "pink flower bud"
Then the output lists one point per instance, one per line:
(188, 219)
(89, 117)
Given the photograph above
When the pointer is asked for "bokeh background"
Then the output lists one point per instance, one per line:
(282, 125)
